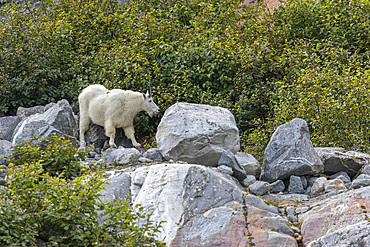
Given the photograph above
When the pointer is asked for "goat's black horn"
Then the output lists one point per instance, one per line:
(150, 91)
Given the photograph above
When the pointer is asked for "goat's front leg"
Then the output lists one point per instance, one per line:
(130, 134)
(110, 131)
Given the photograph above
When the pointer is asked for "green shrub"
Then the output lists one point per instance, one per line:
(37, 209)
(56, 155)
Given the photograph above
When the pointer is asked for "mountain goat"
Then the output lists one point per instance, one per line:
(113, 109)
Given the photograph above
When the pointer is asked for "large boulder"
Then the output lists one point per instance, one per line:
(200, 206)
(7, 127)
(57, 119)
(290, 152)
(197, 134)
(5, 150)
(338, 160)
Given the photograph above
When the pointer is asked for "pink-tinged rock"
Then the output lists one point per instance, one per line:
(263, 238)
(332, 214)
(222, 226)
(335, 185)
(261, 219)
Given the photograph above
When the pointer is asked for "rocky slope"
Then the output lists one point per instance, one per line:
(298, 196)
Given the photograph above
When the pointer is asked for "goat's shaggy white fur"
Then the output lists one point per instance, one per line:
(112, 109)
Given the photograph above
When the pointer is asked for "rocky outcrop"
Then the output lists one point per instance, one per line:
(200, 206)
(225, 204)
(290, 152)
(197, 133)
(326, 219)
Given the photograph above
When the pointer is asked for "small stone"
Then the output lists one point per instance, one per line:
(277, 186)
(295, 185)
(259, 188)
(225, 169)
(335, 185)
(250, 179)
(319, 185)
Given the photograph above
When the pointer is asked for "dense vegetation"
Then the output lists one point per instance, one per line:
(306, 59)
(49, 200)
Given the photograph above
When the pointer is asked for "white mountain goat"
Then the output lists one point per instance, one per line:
(113, 109)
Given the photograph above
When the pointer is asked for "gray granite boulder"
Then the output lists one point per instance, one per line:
(5, 150)
(24, 112)
(197, 134)
(7, 127)
(290, 152)
(200, 206)
(57, 119)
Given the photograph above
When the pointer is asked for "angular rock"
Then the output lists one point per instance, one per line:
(118, 188)
(361, 181)
(24, 113)
(250, 179)
(225, 169)
(228, 159)
(290, 152)
(295, 185)
(337, 160)
(31, 128)
(122, 156)
(342, 176)
(332, 214)
(250, 165)
(261, 219)
(353, 235)
(277, 186)
(178, 192)
(7, 127)
(221, 226)
(197, 134)
(154, 154)
(259, 188)
(5, 150)
(57, 119)
(365, 169)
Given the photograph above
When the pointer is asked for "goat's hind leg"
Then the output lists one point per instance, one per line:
(84, 125)
(110, 131)
(130, 134)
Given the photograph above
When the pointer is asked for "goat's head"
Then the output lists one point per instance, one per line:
(149, 106)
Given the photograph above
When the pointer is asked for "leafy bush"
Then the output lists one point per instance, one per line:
(212, 52)
(56, 155)
(37, 209)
